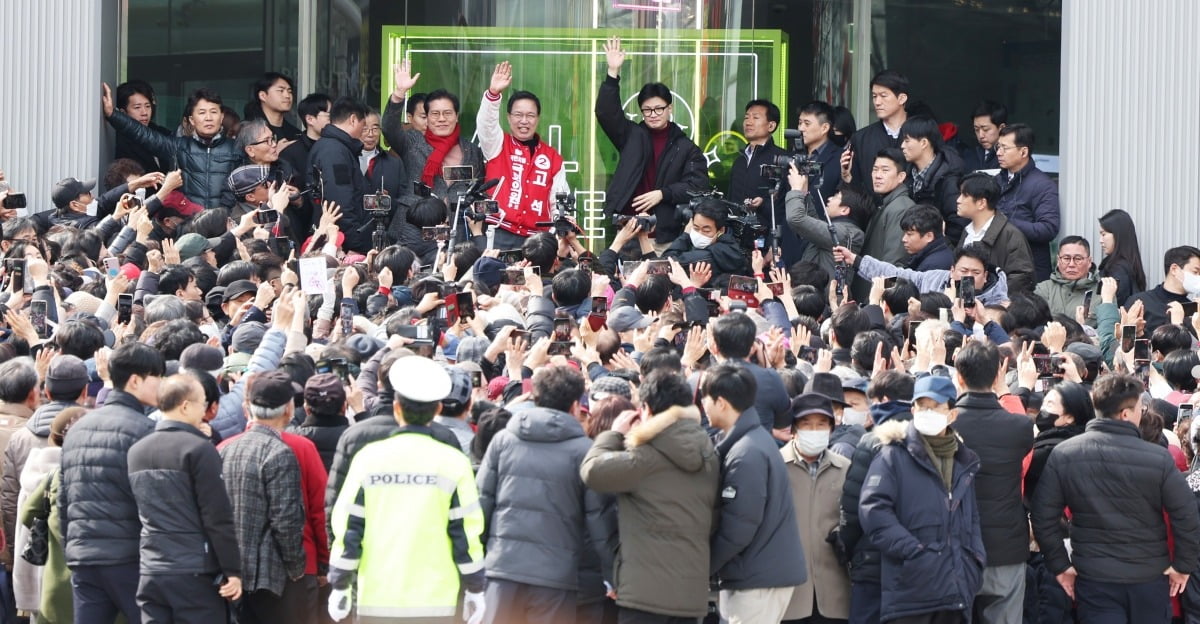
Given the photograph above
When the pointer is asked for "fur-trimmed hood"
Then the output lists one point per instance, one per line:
(677, 434)
(891, 431)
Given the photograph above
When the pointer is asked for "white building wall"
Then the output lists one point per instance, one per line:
(51, 64)
(1130, 132)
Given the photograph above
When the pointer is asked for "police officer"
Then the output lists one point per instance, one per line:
(410, 573)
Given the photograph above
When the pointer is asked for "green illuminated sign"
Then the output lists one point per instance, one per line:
(711, 73)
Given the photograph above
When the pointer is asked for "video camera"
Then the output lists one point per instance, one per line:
(315, 187)
(378, 206)
(564, 212)
(742, 221)
(778, 168)
(645, 222)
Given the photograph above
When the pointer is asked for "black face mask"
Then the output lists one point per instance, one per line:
(1044, 421)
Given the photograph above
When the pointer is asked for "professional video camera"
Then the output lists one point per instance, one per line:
(742, 221)
(645, 222)
(564, 212)
(778, 168)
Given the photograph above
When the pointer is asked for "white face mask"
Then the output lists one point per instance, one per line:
(1191, 283)
(93, 205)
(700, 241)
(853, 417)
(929, 422)
(811, 443)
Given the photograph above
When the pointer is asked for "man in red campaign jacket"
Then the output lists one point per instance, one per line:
(529, 170)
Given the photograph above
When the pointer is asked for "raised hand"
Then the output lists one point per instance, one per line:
(501, 78)
(106, 99)
(404, 79)
(614, 55)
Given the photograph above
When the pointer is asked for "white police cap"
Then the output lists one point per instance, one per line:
(419, 379)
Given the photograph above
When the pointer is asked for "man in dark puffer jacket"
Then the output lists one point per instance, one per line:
(99, 514)
(205, 158)
(1118, 488)
(534, 535)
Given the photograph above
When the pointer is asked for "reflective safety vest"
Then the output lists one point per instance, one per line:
(407, 520)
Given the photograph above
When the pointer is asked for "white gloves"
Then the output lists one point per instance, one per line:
(340, 601)
(473, 607)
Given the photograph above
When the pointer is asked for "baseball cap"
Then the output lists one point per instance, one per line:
(191, 245)
(935, 387)
(237, 289)
(176, 204)
(420, 379)
(324, 393)
(67, 375)
(246, 178)
(69, 190)
(460, 386)
(626, 318)
(270, 389)
(811, 403)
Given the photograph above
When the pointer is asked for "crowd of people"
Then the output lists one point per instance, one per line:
(363, 369)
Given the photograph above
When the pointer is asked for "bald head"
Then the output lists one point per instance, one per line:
(181, 398)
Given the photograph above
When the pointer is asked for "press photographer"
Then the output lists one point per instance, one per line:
(709, 237)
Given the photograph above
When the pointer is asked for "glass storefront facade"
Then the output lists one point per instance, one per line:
(715, 54)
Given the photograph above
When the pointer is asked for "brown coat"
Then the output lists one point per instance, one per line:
(817, 510)
(665, 474)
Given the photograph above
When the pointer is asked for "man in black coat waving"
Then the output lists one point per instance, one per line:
(659, 165)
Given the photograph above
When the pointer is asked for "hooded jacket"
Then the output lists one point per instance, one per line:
(756, 544)
(681, 169)
(1118, 487)
(665, 474)
(535, 534)
(1065, 295)
(933, 554)
(26, 577)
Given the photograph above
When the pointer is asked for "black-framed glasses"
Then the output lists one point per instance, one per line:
(653, 112)
(271, 140)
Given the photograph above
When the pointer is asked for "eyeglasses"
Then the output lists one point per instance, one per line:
(442, 114)
(654, 112)
(271, 140)
(523, 116)
(1073, 259)
(1001, 148)
(371, 130)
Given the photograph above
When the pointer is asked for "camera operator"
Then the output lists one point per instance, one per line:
(529, 170)
(816, 127)
(706, 239)
(750, 184)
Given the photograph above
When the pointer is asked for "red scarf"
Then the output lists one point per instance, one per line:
(441, 146)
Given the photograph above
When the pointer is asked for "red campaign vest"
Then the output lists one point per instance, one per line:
(524, 193)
